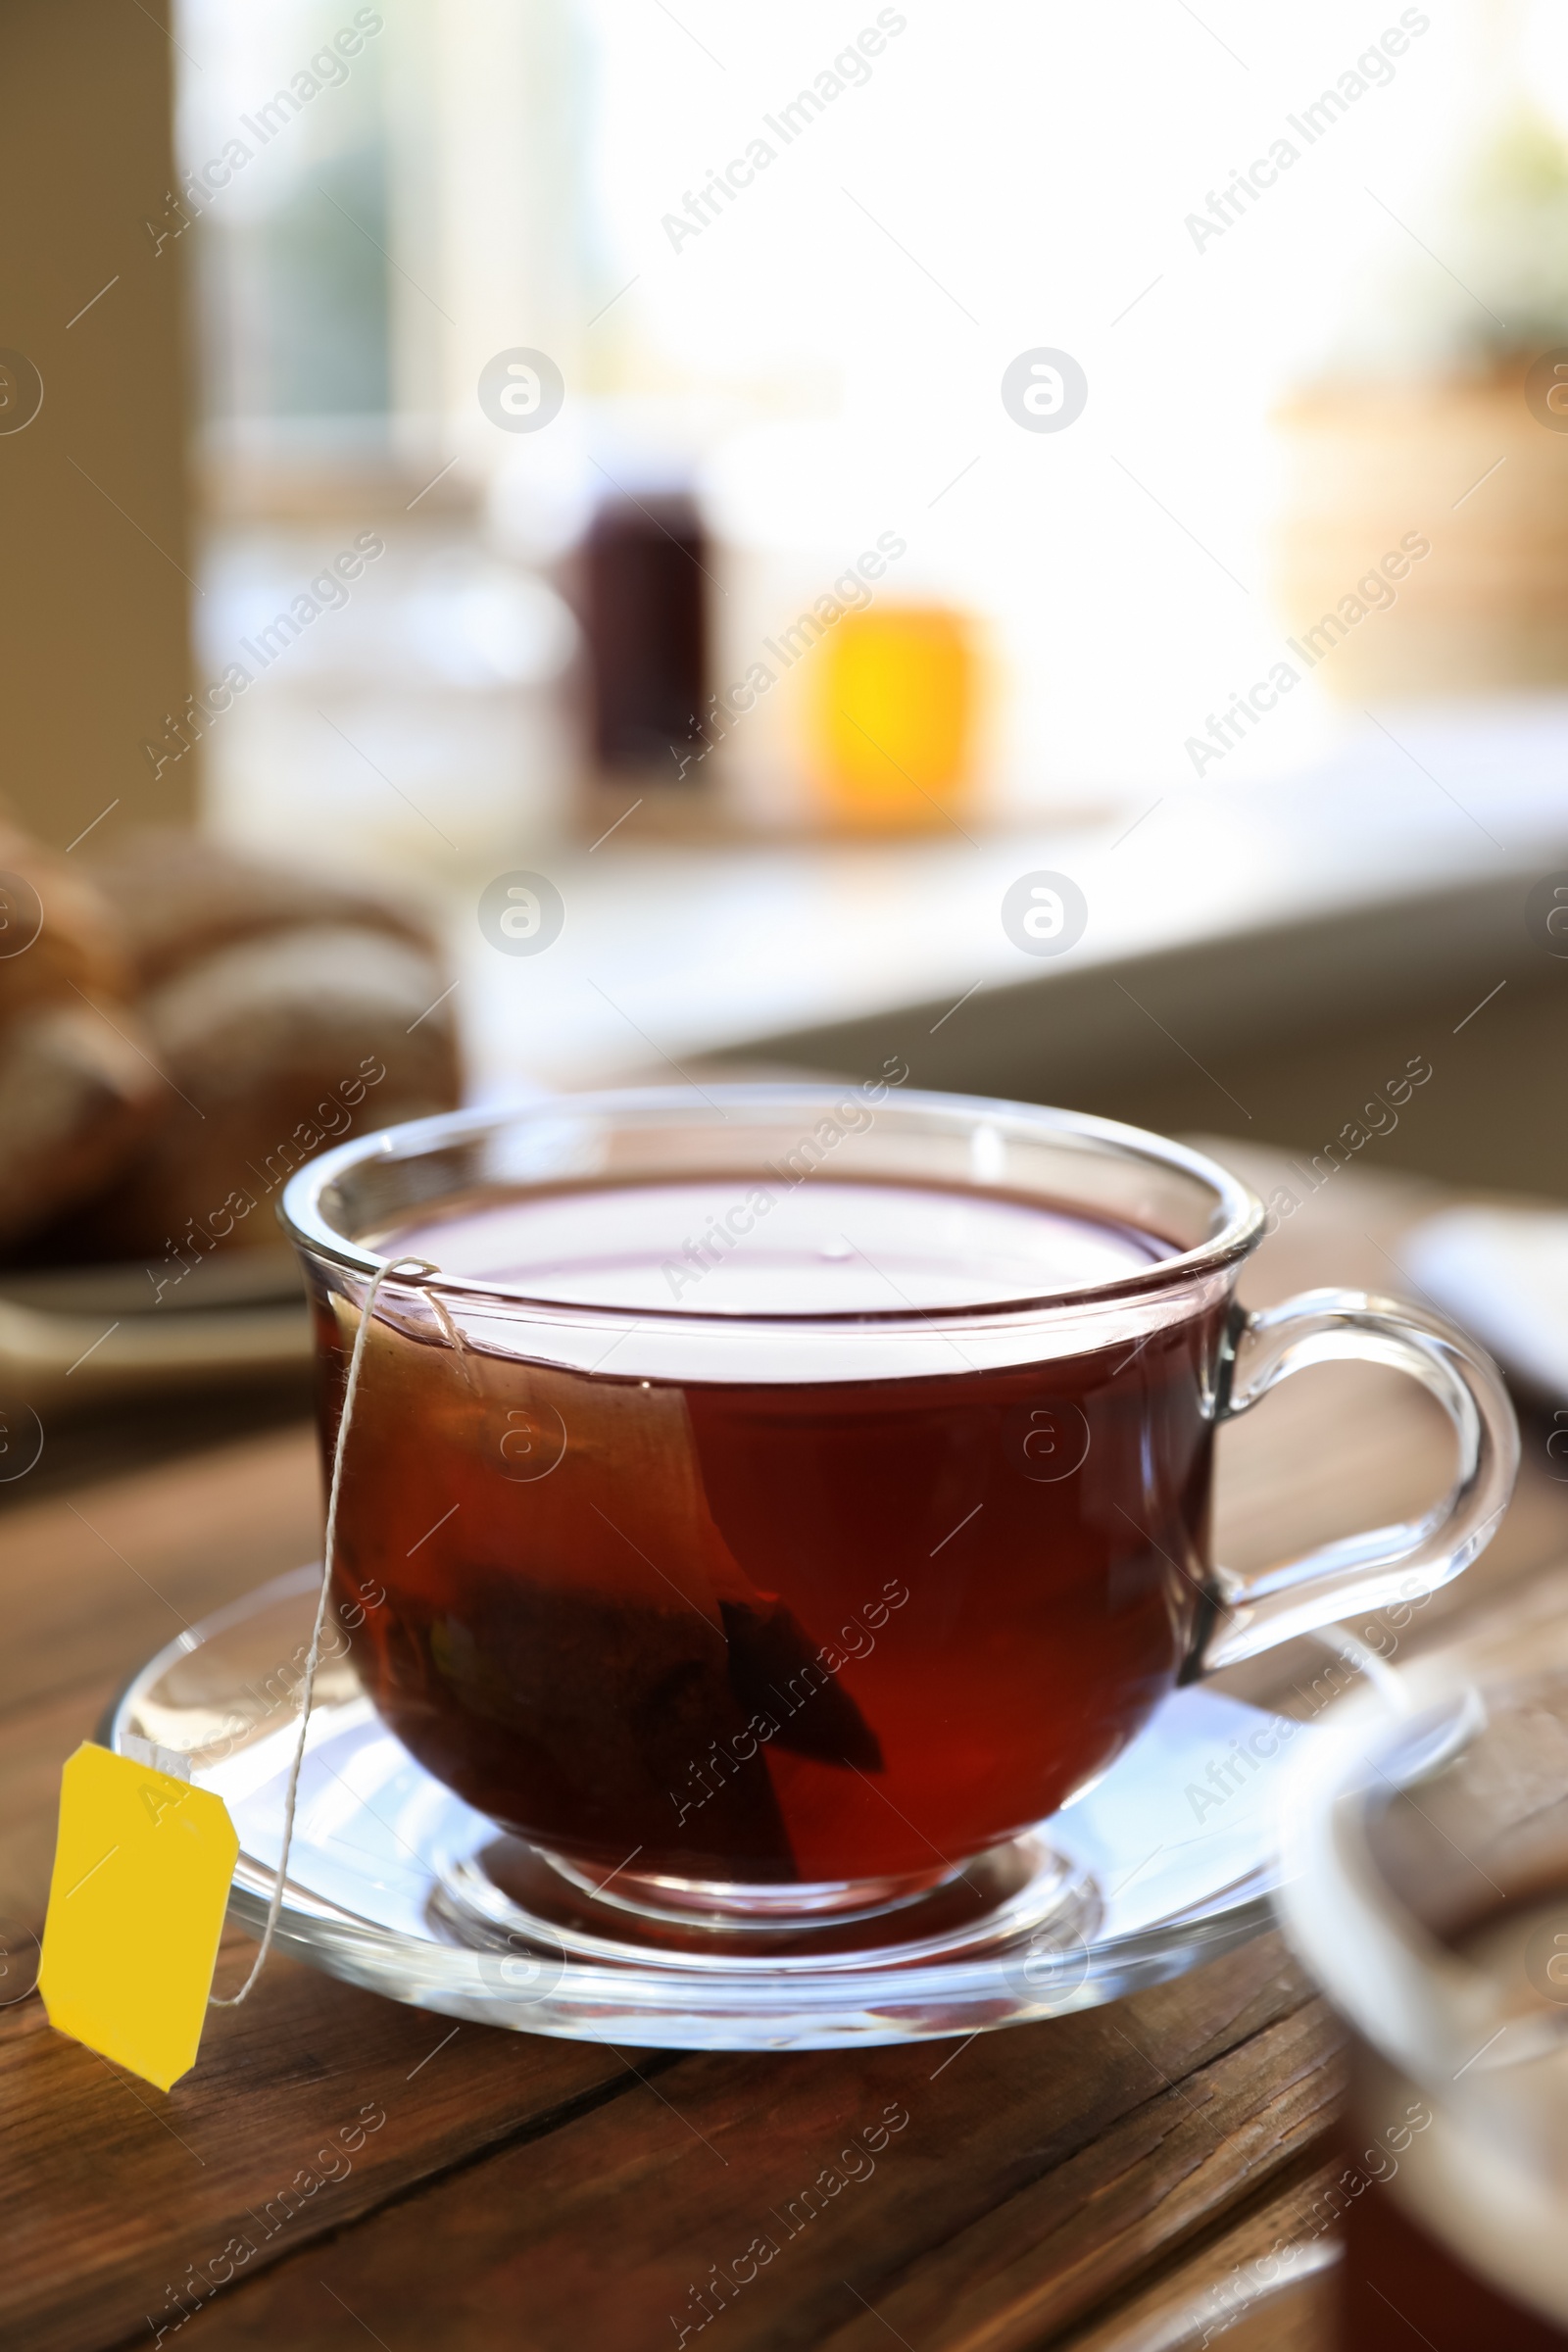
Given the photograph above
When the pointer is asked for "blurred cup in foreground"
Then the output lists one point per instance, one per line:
(1428, 1892)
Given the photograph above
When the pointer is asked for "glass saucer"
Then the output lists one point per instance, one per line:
(395, 1884)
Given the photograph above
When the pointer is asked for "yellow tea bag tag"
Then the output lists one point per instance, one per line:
(142, 1872)
(144, 1861)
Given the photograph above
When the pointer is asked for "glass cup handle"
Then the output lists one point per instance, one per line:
(1247, 1614)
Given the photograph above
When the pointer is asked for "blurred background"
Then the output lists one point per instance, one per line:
(1280, 389)
(691, 513)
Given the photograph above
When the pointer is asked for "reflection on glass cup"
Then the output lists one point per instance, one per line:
(783, 1497)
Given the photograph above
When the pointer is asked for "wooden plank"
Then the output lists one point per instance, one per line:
(1083, 2233)
(35, 1742)
(89, 1592)
(1047, 2158)
(92, 1583)
(1251, 2286)
(125, 2188)
(119, 1440)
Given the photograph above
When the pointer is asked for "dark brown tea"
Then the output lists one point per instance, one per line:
(780, 1626)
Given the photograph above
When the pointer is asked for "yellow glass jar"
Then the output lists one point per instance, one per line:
(893, 717)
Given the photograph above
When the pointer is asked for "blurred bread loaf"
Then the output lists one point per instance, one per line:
(78, 1087)
(58, 932)
(178, 896)
(278, 1046)
(76, 1100)
(202, 1023)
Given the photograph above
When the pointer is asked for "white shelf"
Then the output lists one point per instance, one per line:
(1404, 859)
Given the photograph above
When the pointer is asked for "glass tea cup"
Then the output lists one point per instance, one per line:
(770, 1499)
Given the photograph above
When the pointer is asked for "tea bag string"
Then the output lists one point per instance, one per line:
(397, 1265)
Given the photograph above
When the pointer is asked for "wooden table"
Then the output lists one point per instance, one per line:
(1088, 2182)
